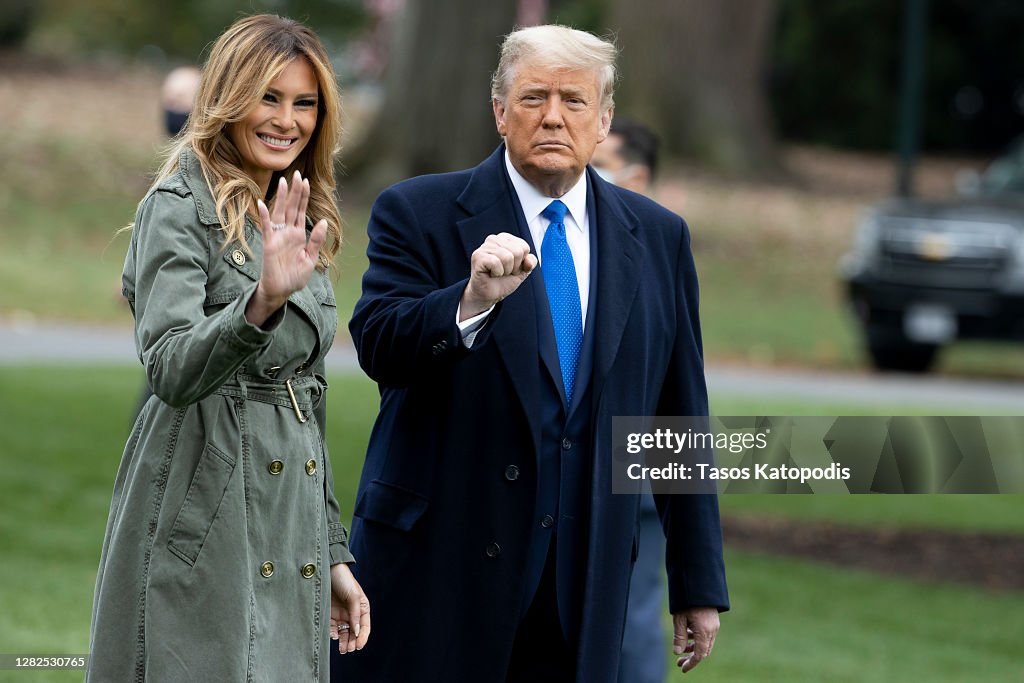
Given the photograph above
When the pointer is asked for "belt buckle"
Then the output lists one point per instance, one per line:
(295, 403)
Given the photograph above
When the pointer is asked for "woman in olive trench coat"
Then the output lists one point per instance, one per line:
(224, 558)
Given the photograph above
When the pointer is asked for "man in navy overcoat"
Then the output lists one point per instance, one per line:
(508, 313)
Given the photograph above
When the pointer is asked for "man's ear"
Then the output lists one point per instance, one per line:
(605, 124)
(499, 115)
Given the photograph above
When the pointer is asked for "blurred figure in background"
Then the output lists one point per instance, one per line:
(628, 157)
(176, 97)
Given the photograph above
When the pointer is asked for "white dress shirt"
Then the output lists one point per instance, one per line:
(577, 235)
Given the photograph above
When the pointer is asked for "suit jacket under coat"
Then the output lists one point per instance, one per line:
(440, 529)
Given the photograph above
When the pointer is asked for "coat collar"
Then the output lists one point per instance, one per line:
(194, 178)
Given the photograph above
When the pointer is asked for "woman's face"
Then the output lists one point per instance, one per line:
(273, 134)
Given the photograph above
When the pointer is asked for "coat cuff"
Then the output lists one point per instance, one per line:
(337, 538)
(242, 335)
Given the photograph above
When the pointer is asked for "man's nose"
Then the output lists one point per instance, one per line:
(553, 113)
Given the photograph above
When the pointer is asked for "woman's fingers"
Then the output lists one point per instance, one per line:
(304, 203)
(277, 216)
(294, 199)
(316, 240)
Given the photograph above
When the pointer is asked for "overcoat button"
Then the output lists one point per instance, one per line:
(267, 569)
(511, 472)
(436, 349)
(301, 369)
(493, 550)
(566, 444)
(238, 257)
(272, 372)
(547, 522)
(308, 570)
(442, 344)
(275, 467)
(311, 467)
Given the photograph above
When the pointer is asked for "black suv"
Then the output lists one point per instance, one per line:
(923, 273)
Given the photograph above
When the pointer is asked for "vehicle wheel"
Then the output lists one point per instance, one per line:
(891, 351)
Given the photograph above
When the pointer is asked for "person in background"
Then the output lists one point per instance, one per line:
(224, 558)
(508, 312)
(177, 95)
(628, 157)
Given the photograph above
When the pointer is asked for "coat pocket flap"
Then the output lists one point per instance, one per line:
(209, 484)
(392, 505)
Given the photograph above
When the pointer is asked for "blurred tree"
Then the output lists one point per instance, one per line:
(836, 71)
(694, 70)
(179, 30)
(436, 111)
(16, 18)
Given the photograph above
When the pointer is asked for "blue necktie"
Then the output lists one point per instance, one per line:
(563, 294)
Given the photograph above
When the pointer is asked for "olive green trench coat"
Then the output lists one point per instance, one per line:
(223, 525)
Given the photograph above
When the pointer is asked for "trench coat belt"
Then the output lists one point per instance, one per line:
(299, 393)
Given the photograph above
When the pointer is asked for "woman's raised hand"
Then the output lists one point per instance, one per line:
(288, 258)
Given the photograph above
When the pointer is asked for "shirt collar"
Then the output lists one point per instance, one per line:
(533, 202)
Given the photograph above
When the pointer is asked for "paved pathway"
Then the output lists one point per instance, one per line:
(36, 342)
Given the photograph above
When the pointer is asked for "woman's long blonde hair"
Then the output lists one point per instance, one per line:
(242, 64)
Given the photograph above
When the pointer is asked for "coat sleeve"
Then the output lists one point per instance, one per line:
(403, 326)
(693, 531)
(186, 353)
(337, 534)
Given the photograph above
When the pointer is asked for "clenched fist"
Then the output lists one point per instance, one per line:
(497, 268)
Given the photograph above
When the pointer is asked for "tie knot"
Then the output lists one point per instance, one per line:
(555, 211)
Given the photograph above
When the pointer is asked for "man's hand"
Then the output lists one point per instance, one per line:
(497, 268)
(695, 631)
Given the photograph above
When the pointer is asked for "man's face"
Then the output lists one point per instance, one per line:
(612, 167)
(551, 121)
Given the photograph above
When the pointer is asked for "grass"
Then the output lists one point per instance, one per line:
(797, 621)
(60, 442)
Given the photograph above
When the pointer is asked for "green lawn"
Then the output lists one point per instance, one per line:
(61, 434)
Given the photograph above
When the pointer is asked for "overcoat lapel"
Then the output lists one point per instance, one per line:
(488, 200)
(620, 264)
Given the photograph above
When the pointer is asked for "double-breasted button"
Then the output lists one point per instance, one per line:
(267, 569)
(311, 467)
(547, 522)
(272, 372)
(238, 256)
(438, 348)
(493, 550)
(275, 467)
(511, 472)
(566, 443)
(308, 570)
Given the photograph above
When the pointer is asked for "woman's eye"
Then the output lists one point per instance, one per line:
(269, 98)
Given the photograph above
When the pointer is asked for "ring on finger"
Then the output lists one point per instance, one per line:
(278, 226)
